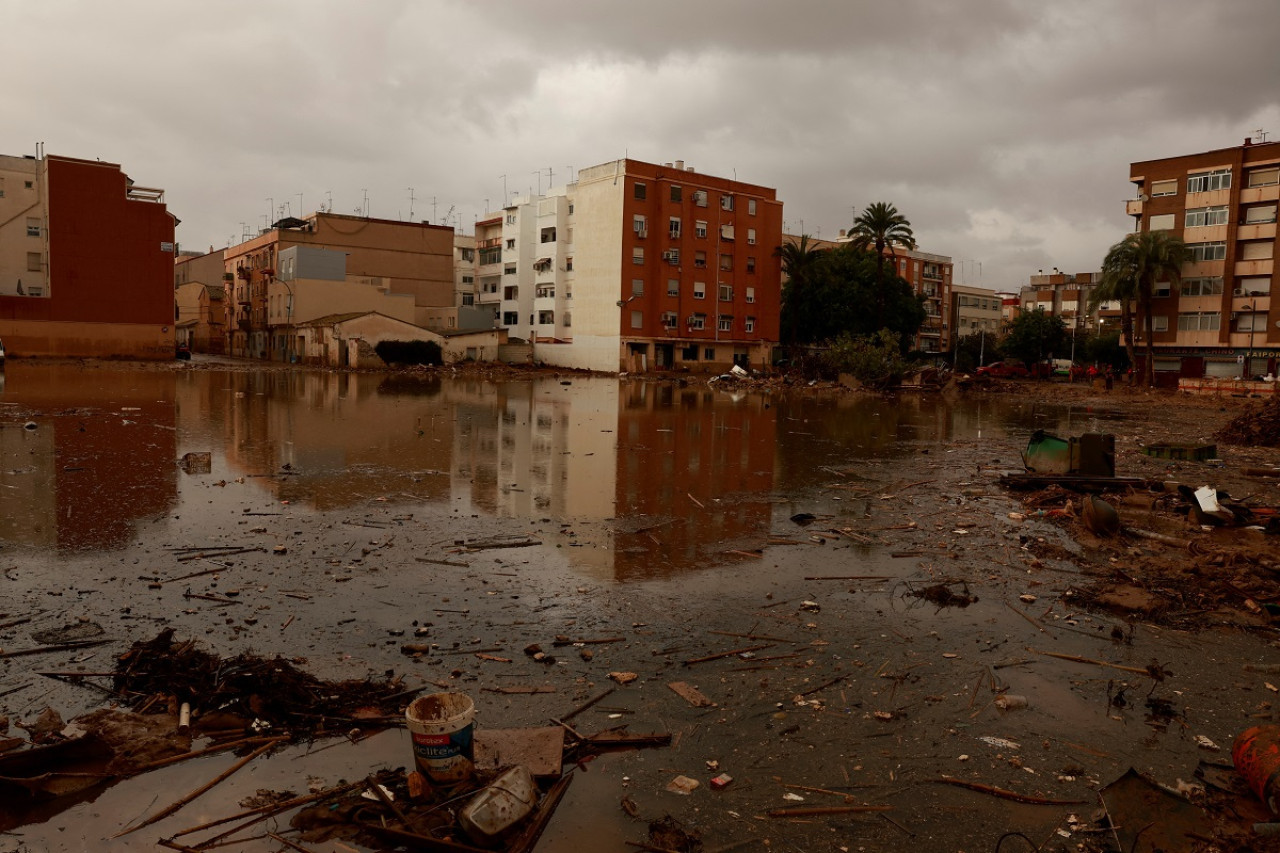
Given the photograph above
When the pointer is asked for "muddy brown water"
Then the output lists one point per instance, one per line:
(662, 516)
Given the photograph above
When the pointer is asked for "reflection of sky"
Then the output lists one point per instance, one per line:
(707, 465)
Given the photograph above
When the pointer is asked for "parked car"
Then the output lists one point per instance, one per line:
(183, 352)
(1005, 370)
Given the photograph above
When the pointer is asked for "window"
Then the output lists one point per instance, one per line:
(671, 256)
(491, 255)
(511, 292)
(1163, 222)
(689, 353)
(698, 321)
(640, 226)
(510, 318)
(726, 293)
(33, 227)
(676, 193)
(1199, 216)
(751, 264)
(1260, 214)
(1254, 286)
(511, 243)
(468, 279)
(1207, 251)
(1199, 322)
(637, 287)
(549, 234)
(546, 292)
(1259, 251)
(700, 260)
(1159, 324)
(725, 323)
(669, 319)
(567, 319)
(468, 254)
(751, 207)
(568, 264)
(33, 262)
(700, 198)
(709, 354)
(511, 219)
(751, 324)
(673, 228)
(1161, 289)
(1200, 182)
(1160, 188)
(1251, 323)
(1264, 177)
(726, 202)
(1209, 286)
(700, 229)
(637, 255)
(28, 185)
(699, 290)
(641, 191)
(726, 232)
(509, 269)
(726, 262)
(751, 295)
(673, 287)
(546, 318)
(468, 299)
(751, 236)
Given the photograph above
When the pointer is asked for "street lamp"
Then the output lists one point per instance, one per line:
(1248, 359)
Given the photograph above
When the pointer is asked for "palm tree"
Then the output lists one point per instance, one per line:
(1130, 270)
(879, 227)
(799, 260)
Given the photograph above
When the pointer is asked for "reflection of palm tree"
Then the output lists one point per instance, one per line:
(799, 260)
(1130, 271)
(880, 226)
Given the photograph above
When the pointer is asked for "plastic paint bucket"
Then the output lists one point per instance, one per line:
(442, 726)
(1256, 756)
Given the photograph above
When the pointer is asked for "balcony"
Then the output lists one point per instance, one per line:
(1257, 231)
(1133, 206)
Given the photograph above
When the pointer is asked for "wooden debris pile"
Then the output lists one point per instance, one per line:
(1257, 426)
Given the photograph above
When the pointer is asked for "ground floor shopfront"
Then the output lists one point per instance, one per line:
(1172, 364)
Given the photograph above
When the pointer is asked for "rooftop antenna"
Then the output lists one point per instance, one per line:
(329, 194)
(1260, 135)
(486, 207)
(410, 204)
(366, 202)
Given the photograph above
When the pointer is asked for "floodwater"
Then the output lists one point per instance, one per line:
(662, 515)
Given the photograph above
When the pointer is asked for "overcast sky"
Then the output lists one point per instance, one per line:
(1003, 130)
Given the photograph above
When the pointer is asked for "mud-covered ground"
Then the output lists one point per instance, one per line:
(884, 634)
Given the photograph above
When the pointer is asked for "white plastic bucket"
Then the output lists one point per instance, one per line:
(442, 726)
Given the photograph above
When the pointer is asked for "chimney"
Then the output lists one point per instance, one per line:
(679, 165)
(1248, 140)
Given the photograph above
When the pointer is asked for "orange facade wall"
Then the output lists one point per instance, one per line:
(658, 206)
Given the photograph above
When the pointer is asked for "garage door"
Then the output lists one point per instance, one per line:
(1222, 368)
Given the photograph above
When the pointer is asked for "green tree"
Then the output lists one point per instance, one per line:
(874, 360)
(800, 261)
(970, 349)
(1130, 271)
(1033, 336)
(879, 227)
(1104, 349)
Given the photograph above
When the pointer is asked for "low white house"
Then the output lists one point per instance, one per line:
(349, 340)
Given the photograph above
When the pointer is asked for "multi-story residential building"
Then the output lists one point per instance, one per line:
(638, 266)
(409, 260)
(86, 261)
(1068, 295)
(975, 309)
(1220, 320)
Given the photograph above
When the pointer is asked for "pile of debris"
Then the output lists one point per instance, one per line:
(1257, 426)
(263, 692)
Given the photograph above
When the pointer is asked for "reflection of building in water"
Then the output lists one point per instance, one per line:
(681, 447)
(85, 476)
(340, 439)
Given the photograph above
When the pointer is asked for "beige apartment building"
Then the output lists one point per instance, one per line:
(302, 269)
(975, 309)
(1220, 321)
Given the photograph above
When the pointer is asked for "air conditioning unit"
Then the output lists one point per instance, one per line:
(671, 255)
(1239, 291)
(690, 320)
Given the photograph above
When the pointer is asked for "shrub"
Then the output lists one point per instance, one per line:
(410, 352)
(874, 360)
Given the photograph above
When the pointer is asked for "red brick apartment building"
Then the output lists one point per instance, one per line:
(86, 261)
(1221, 320)
(640, 266)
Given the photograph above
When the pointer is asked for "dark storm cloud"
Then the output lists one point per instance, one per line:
(1002, 128)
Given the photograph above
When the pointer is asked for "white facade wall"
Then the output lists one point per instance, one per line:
(303, 300)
